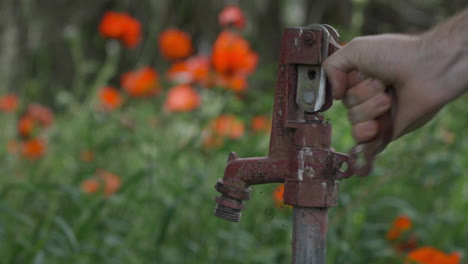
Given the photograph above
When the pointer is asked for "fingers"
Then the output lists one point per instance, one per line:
(365, 131)
(366, 101)
(340, 64)
(363, 91)
(370, 109)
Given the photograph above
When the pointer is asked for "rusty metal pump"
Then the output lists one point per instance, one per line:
(300, 153)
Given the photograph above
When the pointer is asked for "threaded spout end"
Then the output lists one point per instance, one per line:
(226, 213)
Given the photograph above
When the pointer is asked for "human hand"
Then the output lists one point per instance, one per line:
(360, 71)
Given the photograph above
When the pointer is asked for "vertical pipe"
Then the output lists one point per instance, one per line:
(309, 235)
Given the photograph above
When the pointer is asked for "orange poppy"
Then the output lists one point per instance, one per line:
(9, 103)
(237, 83)
(34, 149)
(182, 98)
(228, 125)
(110, 98)
(106, 181)
(194, 69)
(90, 186)
(278, 197)
(121, 26)
(261, 123)
(232, 15)
(430, 255)
(111, 181)
(26, 126)
(401, 224)
(175, 44)
(41, 114)
(141, 83)
(232, 54)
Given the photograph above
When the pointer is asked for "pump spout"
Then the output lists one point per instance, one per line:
(239, 175)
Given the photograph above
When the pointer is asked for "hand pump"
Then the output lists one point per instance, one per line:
(300, 154)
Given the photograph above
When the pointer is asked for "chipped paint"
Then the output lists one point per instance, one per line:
(302, 168)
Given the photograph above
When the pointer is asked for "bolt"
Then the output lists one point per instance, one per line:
(309, 38)
(309, 97)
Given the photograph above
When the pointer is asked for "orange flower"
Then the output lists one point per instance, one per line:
(40, 113)
(90, 186)
(121, 26)
(8, 103)
(278, 197)
(232, 15)
(110, 98)
(237, 83)
(26, 126)
(232, 54)
(401, 224)
(228, 125)
(182, 98)
(194, 69)
(111, 181)
(261, 124)
(34, 149)
(430, 255)
(175, 44)
(141, 83)
(104, 180)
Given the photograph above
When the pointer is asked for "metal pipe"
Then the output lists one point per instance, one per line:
(309, 235)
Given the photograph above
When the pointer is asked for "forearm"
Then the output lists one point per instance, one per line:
(447, 46)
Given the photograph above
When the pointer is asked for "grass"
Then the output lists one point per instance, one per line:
(164, 211)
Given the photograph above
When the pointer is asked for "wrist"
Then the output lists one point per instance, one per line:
(444, 57)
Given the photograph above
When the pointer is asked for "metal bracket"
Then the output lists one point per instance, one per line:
(310, 92)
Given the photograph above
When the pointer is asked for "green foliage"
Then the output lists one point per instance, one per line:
(164, 211)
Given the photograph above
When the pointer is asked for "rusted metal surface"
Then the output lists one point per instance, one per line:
(309, 235)
(300, 153)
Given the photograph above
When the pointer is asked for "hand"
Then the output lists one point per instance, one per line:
(417, 71)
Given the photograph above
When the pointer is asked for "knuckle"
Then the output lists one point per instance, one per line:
(377, 85)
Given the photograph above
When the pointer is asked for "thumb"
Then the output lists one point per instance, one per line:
(338, 66)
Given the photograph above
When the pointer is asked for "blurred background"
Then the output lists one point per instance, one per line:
(117, 117)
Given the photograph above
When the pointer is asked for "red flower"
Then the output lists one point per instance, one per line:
(26, 126)
(41, 114)
(261, 124)
(90, 186)
(121, 26)
(228, 125)
(141, 83)
(232, 54)
(34, 149)
(107, 181)
(182, 98)
(111, 181)
(8, 103)
(175, 44)
(110, 98)
(232, 15)
(278, 197)
(194, 69)
(401, 224)
(429, 255)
